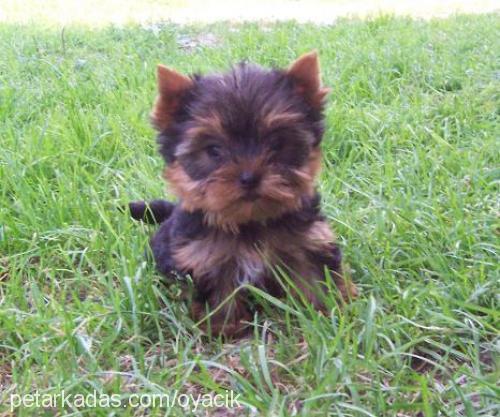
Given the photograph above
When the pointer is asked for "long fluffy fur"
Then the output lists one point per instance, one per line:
(214, 131)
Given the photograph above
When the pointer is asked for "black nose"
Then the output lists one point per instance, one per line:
(249, 179)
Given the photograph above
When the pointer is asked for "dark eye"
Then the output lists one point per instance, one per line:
(277, 145)
(214, 151)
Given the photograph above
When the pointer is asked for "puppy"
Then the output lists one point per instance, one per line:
(242, 152)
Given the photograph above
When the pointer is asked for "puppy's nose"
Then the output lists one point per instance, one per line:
(249, 180)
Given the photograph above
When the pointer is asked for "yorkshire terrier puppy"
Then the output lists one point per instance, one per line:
(242, 151)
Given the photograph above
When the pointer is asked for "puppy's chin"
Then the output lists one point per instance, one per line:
(244, 211)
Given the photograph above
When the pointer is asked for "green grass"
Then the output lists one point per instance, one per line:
(410, 184)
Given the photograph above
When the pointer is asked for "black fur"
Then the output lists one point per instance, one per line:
(155, 212)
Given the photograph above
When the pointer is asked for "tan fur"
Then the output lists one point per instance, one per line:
(306, 72)
(318, 236)
(278, 117)
(204, 255)
(207, 126)
(171, 87)
(314, 163)
(220, 198)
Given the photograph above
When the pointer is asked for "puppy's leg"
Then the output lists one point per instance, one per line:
(162, 251)
(330, 256)
(227, 318)
(219, 308)
(319, 252)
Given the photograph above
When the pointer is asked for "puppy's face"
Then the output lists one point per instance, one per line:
(241, 146)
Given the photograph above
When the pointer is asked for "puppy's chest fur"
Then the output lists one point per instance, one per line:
(249, 255)
(225, 256)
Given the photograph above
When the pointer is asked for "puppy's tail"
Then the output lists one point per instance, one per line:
(154, 212)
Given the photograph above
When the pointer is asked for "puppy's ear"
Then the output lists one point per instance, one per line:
(171, 87)
(305, 71)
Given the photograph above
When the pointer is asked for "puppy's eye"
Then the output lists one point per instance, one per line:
(277, 145)
(214, 151)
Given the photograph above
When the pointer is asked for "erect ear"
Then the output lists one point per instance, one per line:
(171, 87)
(305, 71)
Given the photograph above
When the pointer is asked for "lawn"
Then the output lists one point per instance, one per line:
(410, 185)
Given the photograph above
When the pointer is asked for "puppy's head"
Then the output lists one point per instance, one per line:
(241, 146)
